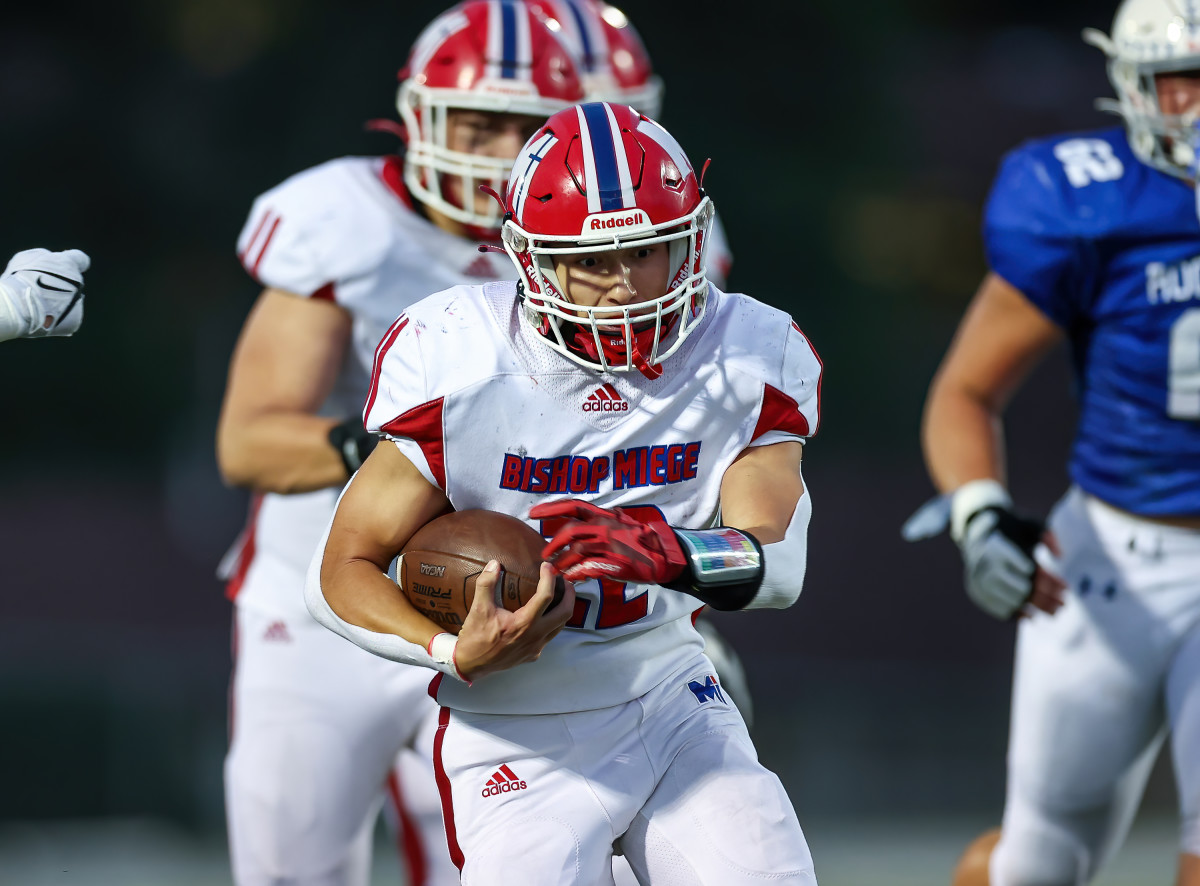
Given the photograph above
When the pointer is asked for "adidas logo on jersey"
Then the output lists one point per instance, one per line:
(277, 632)
(605, 399)
(503, 782)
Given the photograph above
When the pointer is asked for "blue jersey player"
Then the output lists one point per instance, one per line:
(1092, 239)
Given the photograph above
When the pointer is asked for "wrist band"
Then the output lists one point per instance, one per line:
(972, 497)
(353, 443)
(724, 566)
(441, 649)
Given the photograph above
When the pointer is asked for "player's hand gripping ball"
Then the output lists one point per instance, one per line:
(440, 563)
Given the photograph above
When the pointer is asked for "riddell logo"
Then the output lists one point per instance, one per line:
(605, 399)
(503, 782)
(611, 221)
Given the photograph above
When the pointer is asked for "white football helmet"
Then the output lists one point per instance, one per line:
(1152, 37)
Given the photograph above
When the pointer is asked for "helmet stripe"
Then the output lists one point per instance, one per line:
(523, 170)
(589, 161)
(586, 45)
(601, 145)
(508, 39)
(627, 200)
(524, 53)
(509, 53)
(668, 143)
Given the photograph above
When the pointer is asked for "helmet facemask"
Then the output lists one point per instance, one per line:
(483, 57)
(429, 161)
(616, 338)
(1167, 142)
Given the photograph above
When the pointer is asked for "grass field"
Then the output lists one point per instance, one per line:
(141, 853)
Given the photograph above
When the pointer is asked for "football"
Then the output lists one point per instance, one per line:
(440, 563)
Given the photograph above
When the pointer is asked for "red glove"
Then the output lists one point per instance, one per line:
(600, 543)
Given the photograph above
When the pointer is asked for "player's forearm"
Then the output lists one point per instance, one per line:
(283, 453)
(360, 594)
(962, 437)
(367, 595)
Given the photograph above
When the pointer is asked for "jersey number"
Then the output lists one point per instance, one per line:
(615, 609)
(1183, 367)
(1087, 160)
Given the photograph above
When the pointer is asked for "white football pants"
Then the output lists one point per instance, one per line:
(671, 777)
(1095, 688)
(319, 737)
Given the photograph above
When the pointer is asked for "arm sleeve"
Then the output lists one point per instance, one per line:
(791, 405)
(399, 405)
(786, 561)
(1028, 237)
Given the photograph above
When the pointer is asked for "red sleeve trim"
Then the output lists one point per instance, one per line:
(253, 237)
(423, 425)
(389, 339)
(820, 377)
(779, 413)
(253, 268)
(325, 293)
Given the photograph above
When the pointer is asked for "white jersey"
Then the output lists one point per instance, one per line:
(343, 231)
(497, 420)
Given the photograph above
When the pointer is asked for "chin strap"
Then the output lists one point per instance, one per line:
(641, 363)
(584, 342)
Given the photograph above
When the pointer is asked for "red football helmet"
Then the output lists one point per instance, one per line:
(608, 51)
(601, 177)
(496, 56)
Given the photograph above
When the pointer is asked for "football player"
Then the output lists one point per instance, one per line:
(1092, 239)
(596, 724)
(340, 249)
(41, 294)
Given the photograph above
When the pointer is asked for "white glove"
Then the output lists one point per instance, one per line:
(997, 547)
(41, 293)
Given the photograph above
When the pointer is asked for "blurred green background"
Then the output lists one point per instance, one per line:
(852, 145)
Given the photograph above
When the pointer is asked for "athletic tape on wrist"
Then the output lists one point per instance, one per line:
(441, 649)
